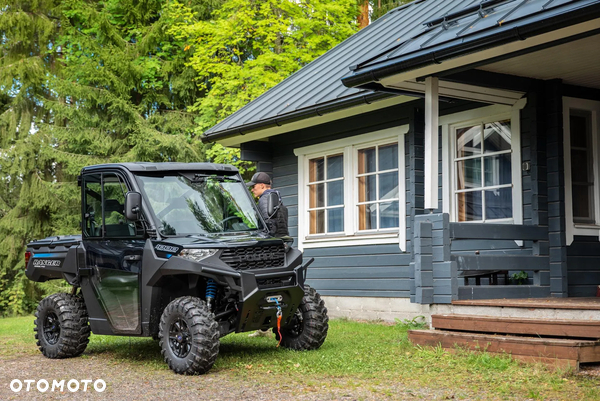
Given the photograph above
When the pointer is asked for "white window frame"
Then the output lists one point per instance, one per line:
(476, 116)
(349, 148)
(573, 228)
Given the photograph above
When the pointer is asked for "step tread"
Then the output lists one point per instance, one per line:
(548, 321)
(518, 325)
(509, 338)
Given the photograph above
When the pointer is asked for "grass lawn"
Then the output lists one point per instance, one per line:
(355, 354)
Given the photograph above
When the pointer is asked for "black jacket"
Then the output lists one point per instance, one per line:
(278, 222)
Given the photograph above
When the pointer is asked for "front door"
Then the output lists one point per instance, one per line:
(113, 252)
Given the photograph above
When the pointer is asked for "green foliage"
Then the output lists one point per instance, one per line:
(82, 83)
(250, 46)
(519, 278)
(380, 7)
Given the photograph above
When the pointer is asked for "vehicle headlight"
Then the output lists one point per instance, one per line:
(197, 254)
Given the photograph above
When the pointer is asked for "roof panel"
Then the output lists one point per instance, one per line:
(470, 29)
(320, 81)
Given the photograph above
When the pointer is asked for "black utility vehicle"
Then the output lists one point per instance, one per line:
(174, 251)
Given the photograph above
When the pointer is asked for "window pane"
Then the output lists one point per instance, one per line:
(582, 162)
(335, 166)
(388, 157)
(316, 170)
(388, 185)
(497, 136)
(580, 127)
(367, 188)
(468, 173)
(335, 193)
(317, 221)
(366, 161)
(469, 206)
(367, 217)
(468, 141)
(317, 195)
(497, 169)
(335, 220)
(579, 166)
(388, 214)
(582, 197)
(498, 204)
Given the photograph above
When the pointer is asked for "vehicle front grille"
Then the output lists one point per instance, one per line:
(259, 257)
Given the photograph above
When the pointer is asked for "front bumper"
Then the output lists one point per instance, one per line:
(256, 311)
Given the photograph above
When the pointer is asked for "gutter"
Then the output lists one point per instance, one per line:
(305, 113)
(506, 35)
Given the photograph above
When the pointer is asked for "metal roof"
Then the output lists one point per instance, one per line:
(475, 27)
(318, 84)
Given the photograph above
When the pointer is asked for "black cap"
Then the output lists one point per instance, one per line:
(259, 178)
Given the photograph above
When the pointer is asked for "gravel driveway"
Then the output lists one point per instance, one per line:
(126, 381)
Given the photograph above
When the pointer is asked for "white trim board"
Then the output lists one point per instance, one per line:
(572, 229)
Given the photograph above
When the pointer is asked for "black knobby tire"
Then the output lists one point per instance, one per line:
(307, 330)
(61, 326)
(189, 336)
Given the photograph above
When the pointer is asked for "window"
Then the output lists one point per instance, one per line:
(351, 191)
(326, 194)
(104, 207)
(378, 187)
(581, 155)
(482, 165)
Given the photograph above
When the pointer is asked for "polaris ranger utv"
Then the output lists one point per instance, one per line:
(178, 252)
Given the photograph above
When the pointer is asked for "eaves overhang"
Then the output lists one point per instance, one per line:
(516, 31)
(307, 113)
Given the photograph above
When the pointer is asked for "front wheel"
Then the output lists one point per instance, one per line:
(61, 326)
(189, 336)
(308, 327)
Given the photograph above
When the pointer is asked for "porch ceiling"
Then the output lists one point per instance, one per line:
(576, 63)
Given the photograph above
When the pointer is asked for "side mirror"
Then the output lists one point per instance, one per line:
(272, 203)
(133, 205)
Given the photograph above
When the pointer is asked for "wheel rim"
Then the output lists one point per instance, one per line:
(51, 328)
(180, 339)
(296, 326)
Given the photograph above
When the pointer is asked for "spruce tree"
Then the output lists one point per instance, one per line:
(82, 82)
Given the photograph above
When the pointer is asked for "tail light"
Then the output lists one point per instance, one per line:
(27, 257)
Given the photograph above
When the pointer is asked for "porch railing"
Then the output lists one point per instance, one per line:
(439, 271)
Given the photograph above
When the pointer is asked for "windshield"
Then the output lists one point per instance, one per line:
(209, 205)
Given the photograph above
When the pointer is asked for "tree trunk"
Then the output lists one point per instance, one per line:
(363, 16)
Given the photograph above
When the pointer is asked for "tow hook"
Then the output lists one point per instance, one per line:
(276, 299)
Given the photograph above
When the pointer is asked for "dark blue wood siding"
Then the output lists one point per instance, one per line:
(583, 262)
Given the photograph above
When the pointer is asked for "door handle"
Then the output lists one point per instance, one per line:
(131, 258)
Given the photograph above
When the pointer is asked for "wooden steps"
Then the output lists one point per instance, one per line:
(525, 326)
(559, 343)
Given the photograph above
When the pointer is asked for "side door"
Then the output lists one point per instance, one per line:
(114, 248)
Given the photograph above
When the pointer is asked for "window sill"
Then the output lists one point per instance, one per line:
(354, 240)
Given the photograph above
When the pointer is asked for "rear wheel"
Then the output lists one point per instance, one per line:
(61, 326)
(189, 336)
(307, 329)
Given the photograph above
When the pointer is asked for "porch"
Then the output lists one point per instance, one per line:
(560, 332)
(466, 261)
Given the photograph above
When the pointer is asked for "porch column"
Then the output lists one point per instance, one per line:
(431, 143)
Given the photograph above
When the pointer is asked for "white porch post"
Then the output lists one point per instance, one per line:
(431, 142)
